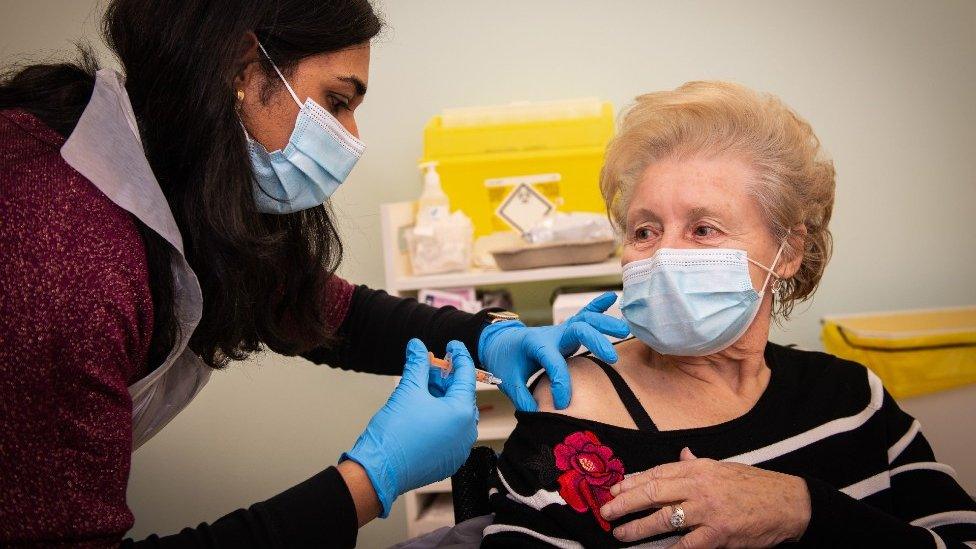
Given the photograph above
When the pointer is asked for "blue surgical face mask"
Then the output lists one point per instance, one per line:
(691, 302)
(320, 154)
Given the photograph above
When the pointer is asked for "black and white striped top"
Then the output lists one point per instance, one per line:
(872, 476)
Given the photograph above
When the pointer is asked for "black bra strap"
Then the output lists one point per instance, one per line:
(637, 412)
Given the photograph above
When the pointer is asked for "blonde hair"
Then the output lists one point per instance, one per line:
(796, 180)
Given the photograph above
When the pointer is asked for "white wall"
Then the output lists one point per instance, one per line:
(888, 85)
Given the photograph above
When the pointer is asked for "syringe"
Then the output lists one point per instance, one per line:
(483, 376)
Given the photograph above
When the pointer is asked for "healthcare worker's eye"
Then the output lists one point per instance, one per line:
(337, 103)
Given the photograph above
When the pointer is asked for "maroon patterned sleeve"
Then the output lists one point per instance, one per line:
(338, 296)
(75, 325)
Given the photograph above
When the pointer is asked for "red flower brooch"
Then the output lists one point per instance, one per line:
(589, 470)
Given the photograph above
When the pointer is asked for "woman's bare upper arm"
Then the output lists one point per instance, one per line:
(593, 395)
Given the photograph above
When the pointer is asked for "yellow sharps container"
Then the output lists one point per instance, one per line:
(913, 352)
(507, 166)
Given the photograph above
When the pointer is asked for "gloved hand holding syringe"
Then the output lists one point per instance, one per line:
(444, 364)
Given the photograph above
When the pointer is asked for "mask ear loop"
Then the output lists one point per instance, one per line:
(281, 76)
(770, 271)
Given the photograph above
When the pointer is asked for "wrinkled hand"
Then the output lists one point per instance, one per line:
(725, 504)
(514, 352)
(418, 438)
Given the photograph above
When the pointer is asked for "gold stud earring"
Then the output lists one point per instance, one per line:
(240, 95)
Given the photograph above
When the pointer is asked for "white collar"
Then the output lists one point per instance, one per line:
(105, 147)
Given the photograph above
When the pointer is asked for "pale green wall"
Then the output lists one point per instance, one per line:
(888, 85)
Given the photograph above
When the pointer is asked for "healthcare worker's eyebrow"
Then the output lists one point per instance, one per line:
(356, 83)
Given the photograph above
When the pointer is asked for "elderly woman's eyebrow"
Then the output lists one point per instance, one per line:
(643, 214)
(701, 211)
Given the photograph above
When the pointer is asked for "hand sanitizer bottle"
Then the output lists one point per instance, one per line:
(433, 205)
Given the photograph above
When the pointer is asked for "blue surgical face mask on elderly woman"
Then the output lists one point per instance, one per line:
(692, 302)
(319, 156)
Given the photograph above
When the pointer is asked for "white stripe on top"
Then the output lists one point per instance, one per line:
(939, 544)
(948, 517)
(868, 486)
(829, 429)
(555, 542)
(537, 500)
(882, 480)
(928, 465)
(906, 439)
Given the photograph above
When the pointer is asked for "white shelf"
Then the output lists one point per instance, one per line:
(399, 277)
(484, 277)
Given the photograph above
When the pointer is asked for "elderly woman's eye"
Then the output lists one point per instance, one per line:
(642, 233)
(704, 231)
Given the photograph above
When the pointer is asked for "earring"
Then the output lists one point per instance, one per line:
(240, 95)
(779, 289)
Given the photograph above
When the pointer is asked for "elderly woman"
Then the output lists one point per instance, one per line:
(704, 433)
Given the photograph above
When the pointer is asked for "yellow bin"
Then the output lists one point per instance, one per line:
(913, 352)
(503, 175)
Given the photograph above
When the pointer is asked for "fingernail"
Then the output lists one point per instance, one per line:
(615, 489)
(607, 512)
(619, 533)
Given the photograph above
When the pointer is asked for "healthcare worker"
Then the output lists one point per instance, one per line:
(158, 225)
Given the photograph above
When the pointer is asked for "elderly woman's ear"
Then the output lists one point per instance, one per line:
(795, 243)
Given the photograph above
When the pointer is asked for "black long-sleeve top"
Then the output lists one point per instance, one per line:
(319, 512)
(873, 478)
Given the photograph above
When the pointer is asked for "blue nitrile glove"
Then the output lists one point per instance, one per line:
(417, 438)
(513, 352)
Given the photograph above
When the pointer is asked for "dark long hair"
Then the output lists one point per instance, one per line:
(262, 275)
